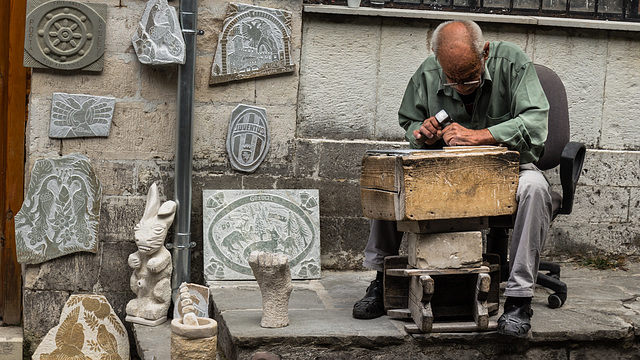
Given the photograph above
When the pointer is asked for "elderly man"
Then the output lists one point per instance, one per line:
(492, 92)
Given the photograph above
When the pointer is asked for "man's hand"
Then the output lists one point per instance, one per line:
(458, 135)
(429, 132)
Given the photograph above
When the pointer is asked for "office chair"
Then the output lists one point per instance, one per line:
(558, 151)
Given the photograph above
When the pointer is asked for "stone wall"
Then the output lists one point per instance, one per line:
(341, 101)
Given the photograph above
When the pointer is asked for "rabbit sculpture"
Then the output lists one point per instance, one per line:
(151, 278)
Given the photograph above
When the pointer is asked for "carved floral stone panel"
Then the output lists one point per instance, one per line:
(88, 329)
(74, 115)
(61, 212)
(248, 138)
(255, 41)
(65, 35)
(158, 39)
(238, 222)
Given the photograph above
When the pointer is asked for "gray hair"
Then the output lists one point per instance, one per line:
(475, 36)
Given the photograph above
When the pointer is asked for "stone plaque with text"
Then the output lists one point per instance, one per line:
(237, 222)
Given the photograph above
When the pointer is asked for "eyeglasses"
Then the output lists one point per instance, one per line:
(466, 83)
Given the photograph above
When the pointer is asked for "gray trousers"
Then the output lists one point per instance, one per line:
(535, 211)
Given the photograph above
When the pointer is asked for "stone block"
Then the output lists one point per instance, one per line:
(620, 128)
(116, 176)
(331, 107)
(410, 40)
(77, 115)
(122, 22)
(61, 211)
(132, 137)
(601, 204)
(11, 340)
(118, 217)
(43, 312)
(581, 70)
(341, 160)
(88, 326)
(210, 129)
(114, 256)
(159, 83)
(117, 79)
(38, 142)
(235, 93)
(445, 250)
(238, 222)
(604, 168)
(207, 22)
(568, 237)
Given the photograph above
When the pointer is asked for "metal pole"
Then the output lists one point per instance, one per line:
(181, 247)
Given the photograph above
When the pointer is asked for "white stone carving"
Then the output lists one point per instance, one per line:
(274, 278)
(199, 296)
(158, 39)
(238, 222)
(88, 329)
(192, 337)
(151, 278)
(75, 115)
(61, 212)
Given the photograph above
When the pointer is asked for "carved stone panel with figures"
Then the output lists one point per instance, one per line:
(238, 222)
(254, 41)
(76, 115)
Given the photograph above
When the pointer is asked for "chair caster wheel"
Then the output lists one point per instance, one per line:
(555, 301)
(555, 276)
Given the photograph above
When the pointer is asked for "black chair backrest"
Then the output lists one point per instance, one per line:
(558, 135)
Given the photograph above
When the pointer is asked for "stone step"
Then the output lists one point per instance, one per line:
(11, 340)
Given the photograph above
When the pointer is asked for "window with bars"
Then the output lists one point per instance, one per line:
(620, 10)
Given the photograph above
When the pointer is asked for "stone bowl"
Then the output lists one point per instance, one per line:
(207, 328)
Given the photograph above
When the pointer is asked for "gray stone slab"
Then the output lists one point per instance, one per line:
(77, 115)
(254, 41)
(65, 35)
(237, 222)
(61, 212)
(248, 138)
(158, 39)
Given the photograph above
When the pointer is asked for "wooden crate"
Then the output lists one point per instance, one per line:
(452, 183)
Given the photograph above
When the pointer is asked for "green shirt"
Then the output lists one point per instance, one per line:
(510, 102)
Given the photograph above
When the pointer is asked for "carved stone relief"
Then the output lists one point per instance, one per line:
(199, 296)
(248, 137)
(255, 41)
(158, 39)
(238, 222)
(65, 35)
(88, 329)
(74, 115)
(61, 212)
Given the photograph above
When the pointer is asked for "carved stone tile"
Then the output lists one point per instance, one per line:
(248, 137)
(158, 39)
(74, 115)
(88, 329)
(199, 295)
(255, 41)
(61, 212)
(65, 35)
(238, 222)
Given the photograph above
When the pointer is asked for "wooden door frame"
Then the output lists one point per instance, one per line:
(14, 89)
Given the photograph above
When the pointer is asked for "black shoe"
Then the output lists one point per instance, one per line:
(371, 305)
(515, 321)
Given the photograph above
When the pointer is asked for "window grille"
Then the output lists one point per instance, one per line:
(619, 10)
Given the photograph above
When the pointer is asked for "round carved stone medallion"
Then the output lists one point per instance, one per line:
(65, 35)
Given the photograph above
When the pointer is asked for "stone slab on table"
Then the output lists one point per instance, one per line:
(238, 222)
